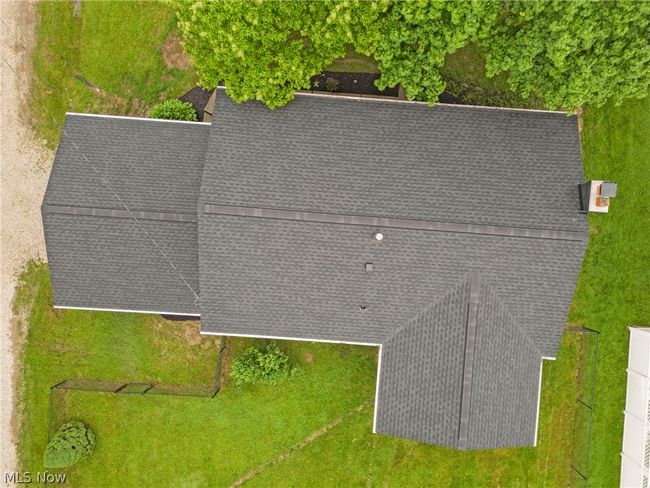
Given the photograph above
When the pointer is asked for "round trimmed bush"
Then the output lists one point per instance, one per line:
(173, 109)
(267, 366)
(73, 442)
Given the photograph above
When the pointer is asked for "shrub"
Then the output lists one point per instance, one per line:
(73, 442)
(332, 84)
(173, 109)
(266, 366)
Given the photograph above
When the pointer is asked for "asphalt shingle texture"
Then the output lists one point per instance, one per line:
(422, 371)
(505, 383)
(153, 165)
(308, 280)
(396, 159)
(98, 262)
(117, 263)
(294, 278)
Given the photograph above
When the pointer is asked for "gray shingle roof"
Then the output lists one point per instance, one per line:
(424, 365)
(111, 263)
(308, 280)
(421, 373)
(396, 159)
(99, 256)
(470, 286)
(153, 165)
(505, 383)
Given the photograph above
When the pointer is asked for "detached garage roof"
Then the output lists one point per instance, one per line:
(272, 215)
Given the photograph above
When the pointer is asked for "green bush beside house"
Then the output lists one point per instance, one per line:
(263, 366)
(173, 109)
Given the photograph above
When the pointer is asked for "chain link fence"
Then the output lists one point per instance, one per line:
(585, 403)
(59, 391)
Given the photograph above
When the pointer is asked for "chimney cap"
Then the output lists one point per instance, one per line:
(608, 189)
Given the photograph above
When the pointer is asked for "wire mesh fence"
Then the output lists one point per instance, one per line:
(59, 391)
(585, 403)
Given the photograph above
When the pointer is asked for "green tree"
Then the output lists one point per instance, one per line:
(568, 53)
(73, 442)
(573, 53)
(173, 109)
(412, 39)
(267, 50)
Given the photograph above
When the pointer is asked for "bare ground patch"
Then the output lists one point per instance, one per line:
(24, 169)
(172, 53)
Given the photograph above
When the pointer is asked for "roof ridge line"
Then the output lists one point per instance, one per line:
(123, 214)
(477, 283)
(388, 222)
(468, 363)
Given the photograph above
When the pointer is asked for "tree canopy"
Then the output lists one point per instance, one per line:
(568, 53)
(415, 37)
(573, 53)
(267, 50)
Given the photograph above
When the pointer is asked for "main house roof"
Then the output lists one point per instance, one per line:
(269, 217)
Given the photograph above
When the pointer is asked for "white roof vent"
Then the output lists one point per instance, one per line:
(379, 236)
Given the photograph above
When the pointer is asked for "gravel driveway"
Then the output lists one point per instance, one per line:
(24, 168)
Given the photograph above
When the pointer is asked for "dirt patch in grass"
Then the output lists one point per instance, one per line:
(173, 54)
(191, 333)
(117, 104)
(187, 331)
(309, 358)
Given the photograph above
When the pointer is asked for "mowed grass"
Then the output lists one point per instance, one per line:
(155, 440)
(115, 45)
(351, 456)
(614, 287)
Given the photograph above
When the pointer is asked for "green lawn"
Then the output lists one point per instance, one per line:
(614, 287)
(115, 45)
(376, 460)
